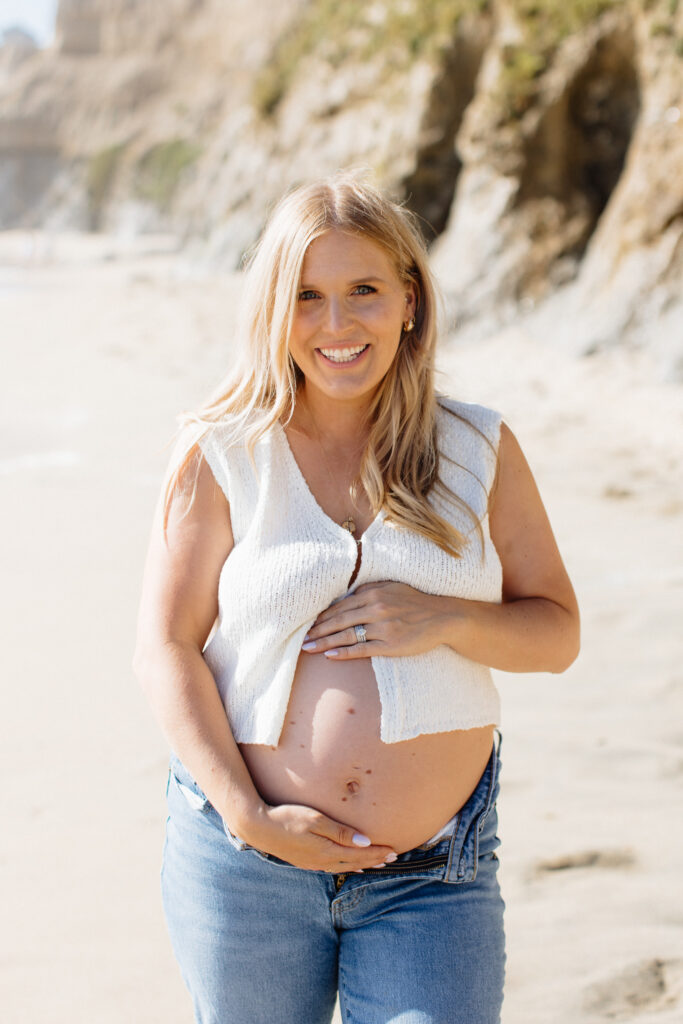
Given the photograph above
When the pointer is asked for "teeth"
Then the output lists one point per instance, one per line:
(342, 355)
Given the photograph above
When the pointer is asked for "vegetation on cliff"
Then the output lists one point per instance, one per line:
(398, 31)
(100, 176)
(543, 24)
(160, 169)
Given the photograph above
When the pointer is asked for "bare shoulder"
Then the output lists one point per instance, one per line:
(511, 458)
(516, 503)
(521, 530)
(184, 560)
(198, 500)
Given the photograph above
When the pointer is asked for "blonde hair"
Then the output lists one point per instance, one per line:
(400, 464)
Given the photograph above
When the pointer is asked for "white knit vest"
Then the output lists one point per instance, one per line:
(290, 561)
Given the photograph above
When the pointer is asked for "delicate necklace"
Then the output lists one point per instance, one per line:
(349, 522)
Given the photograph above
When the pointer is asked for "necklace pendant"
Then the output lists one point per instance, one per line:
(349, 524)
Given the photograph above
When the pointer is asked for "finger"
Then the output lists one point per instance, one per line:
(378, 584)
(343, 638)
(339, 609)
(330, 626)
(346, 858)
(332, 856)
(367, 650)
(346, 836)
(374, 607)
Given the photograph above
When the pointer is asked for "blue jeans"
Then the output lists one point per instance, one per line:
(419, 941)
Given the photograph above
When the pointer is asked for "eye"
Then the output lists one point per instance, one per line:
(307, 295)
(364, 289)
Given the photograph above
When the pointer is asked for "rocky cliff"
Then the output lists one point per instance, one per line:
(541, 143)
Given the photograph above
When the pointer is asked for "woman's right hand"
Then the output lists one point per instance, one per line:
(308, 839)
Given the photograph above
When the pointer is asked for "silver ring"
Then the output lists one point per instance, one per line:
(361, 635)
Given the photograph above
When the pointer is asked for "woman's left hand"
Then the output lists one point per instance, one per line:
(398, 620)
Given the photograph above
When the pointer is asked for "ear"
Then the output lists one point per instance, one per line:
(411, 301)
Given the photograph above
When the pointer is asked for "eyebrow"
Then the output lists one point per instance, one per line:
(361, 280)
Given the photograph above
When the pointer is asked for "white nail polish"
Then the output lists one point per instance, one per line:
(358, 839)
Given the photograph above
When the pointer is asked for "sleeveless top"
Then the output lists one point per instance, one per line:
(290, 561)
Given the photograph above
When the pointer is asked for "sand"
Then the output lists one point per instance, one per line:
(103, 342)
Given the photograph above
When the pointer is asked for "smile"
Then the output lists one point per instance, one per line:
(343, 355)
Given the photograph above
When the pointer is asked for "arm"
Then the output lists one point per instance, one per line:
(535, 628)
(177, 610)
(178, 606)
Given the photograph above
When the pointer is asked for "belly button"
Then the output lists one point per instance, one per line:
(352, 786)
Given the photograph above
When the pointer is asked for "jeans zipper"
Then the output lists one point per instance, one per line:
(398, 868)
(410, 865)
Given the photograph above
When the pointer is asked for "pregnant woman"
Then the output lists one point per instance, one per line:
(339, 556)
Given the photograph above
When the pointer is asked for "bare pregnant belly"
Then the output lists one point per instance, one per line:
(330, 756)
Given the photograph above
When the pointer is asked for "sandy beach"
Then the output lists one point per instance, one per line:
(103, 342)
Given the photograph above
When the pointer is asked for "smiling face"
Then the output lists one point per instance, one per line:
(351, 307)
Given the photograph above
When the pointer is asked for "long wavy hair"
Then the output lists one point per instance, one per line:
(400, 465)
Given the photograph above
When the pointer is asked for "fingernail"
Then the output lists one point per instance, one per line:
(390, 857)
(310, 646)
(306, 637)
(358, 871)
(330, 654)
(378, 865)
(358, 839)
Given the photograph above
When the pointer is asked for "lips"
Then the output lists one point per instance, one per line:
(348, 354)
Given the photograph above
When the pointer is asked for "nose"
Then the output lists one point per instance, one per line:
(338, 319)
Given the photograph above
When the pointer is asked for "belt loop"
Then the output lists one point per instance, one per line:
(462, 855)
(454, 852)
(495, 774)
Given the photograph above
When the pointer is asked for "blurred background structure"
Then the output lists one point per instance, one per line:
(540, 141)
(32, 18)
(141, 143)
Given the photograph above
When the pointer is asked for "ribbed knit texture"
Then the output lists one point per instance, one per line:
(290, 561)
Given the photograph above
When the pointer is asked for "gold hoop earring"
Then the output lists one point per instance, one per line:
(409, 325)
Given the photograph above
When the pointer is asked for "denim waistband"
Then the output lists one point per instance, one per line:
(453, 857)
(458, 850)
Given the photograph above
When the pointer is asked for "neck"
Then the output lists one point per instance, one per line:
(344, 424)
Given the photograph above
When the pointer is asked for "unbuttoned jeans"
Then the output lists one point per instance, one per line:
(259, 941)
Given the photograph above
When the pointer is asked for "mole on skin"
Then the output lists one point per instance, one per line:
(351, 711)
